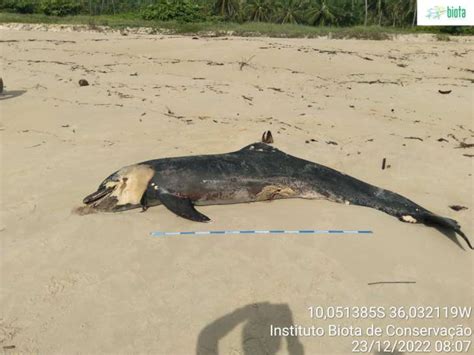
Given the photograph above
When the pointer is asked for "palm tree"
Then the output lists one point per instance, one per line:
(413, 9)
(259, 10)
(290, 11)
(320, 13)
(400, 11)
(366, 12)
(379, 5)
(227, 8)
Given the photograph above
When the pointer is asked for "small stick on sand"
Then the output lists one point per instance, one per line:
(465, 145)
(383, 163)
(418, 138)
(444, 92)
(391, 282)
(458, 207)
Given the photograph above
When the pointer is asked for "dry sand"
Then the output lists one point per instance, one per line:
(99, 284)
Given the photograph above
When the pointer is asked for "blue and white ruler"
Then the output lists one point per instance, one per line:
(268, 231)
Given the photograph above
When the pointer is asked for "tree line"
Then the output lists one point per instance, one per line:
(396, 13)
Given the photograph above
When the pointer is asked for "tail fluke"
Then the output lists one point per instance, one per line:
(448, 223)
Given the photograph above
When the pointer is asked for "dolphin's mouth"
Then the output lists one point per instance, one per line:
(102, 200)
(97, 195)
(121, 191)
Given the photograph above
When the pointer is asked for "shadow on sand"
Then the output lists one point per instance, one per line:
(255, 339)
(5, 95)
(451, 236)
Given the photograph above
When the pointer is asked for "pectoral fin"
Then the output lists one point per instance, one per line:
(181, 206)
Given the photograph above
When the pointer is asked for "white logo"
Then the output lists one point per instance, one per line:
(445, 12)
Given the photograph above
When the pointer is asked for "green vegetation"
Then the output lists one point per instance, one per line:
(374, 19)
(177, 10)
(58, 7)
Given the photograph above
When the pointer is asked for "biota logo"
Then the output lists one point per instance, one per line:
(437, 12)
(459, 12)
(445, 12)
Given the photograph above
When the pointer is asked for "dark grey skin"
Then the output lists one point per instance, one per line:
(256, 172)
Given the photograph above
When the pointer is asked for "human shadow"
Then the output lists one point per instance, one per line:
(256, 338)
(10, 94)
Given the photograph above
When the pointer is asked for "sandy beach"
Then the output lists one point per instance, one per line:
(100, 284)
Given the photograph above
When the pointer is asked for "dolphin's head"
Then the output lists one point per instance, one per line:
(120, 191)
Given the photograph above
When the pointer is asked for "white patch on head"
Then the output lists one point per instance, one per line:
(110, 184)
(409, 219)
(133, 183)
